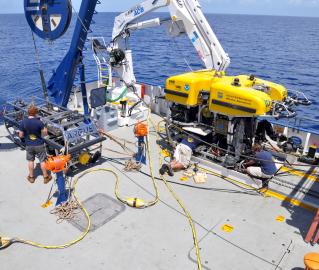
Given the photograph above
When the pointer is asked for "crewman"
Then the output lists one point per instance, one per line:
(32, 129)
(182, 156)
(263, 166)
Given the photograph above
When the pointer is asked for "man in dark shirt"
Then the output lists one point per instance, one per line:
(264, 166)
(32, 129)
(182, 156)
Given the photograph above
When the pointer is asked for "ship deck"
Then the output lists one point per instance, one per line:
(264, 232)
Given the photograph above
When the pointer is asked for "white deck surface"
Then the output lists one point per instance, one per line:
(155, 238)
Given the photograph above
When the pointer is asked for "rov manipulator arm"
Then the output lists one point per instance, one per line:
(186, 18)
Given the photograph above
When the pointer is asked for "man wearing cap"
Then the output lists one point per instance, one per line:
(32, 130)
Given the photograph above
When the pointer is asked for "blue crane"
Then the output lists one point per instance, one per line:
(50, 19)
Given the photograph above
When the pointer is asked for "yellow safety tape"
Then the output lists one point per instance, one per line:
(270, 193)
(310, 177)
(292, 201)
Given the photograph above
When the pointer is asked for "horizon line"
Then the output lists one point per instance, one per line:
(207, 13)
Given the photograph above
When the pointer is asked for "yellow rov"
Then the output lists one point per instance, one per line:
(236, 96)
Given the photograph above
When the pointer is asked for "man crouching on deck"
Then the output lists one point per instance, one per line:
(32, 129)
(182, 157)
(263, 166)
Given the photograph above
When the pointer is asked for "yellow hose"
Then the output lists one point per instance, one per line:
(35, 244)
(128, 201)
(151, 164)
(132, 202)
(199, 264)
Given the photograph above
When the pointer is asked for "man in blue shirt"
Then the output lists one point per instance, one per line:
(32, 129)
(263, 166)
(182, 156)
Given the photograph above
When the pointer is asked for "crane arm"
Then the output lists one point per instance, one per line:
(124, 19)
(200, 33)
(186, 18)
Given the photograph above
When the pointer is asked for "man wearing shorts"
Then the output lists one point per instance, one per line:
(32, 129)
(182, 156)
(263, 166)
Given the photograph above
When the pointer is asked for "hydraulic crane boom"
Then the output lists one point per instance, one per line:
(200, 33)
(186, 18)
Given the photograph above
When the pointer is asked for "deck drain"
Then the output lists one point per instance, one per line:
(101, 209)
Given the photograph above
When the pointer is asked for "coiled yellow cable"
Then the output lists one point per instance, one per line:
(128, 201)
(132, 202)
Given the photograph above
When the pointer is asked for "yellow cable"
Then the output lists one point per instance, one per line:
(117, 194)
(132, 202)
(199, 264)
(151, 163)
(35, 244)
(136, 202)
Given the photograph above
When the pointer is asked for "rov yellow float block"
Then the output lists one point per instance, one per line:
(276, 91)
(185, 88)
(229, 99)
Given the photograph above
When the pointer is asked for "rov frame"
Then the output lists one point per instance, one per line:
(68, 131)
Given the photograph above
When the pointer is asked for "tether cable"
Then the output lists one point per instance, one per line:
(188, 215)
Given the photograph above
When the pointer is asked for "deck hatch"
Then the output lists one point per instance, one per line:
(101, 209)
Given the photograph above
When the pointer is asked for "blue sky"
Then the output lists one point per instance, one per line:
(267, 7)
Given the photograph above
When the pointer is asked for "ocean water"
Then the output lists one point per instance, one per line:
(280, 49)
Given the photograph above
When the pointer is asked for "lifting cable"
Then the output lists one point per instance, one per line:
(181, 51)
(43, 83)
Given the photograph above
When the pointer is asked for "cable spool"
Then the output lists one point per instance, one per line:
(48, 19)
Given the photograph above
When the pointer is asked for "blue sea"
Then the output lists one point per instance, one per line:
(280, 49)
